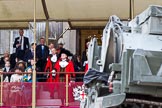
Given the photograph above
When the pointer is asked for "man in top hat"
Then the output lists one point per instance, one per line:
(21, 44)
(64, 65)
(61, 49)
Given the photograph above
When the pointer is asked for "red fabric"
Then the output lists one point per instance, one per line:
(50, 78)
(19, 94)
(49, 66)
(86, 68)
(68, 68)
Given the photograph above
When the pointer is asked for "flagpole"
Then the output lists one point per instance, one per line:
(34, 68)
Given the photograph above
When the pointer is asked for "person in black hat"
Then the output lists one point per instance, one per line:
(64, 65)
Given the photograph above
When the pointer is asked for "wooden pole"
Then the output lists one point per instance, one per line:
(67, 85)
(47, 32)
(1, 88)
(34, 68)
(132, 8)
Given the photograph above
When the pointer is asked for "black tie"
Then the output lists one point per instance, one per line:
(32, 52)
(20, 40)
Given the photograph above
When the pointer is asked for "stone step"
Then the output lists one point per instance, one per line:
(49, 102)
(45, 95)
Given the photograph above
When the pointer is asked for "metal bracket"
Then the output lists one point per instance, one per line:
(115, 67)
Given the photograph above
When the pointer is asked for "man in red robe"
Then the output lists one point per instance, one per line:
(64, 65)
(52, 59)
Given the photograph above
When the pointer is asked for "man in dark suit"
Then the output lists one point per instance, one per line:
(21, 44)
(42, 52)
(29, 55)
(13, 60)
(84, 56)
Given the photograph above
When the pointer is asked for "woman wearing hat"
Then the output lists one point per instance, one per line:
(21, 64)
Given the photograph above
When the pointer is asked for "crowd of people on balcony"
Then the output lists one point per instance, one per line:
(49, 61)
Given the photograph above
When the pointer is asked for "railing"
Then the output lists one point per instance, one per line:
(47, 93)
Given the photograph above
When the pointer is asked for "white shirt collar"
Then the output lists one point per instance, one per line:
(63, 64)
(7, 69)
(54, 58)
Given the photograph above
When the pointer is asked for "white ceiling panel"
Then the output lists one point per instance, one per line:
(87, 9)
(20, 10)
(13, 25)
(80, 13)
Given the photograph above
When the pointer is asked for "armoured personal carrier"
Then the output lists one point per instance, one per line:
(126, 71)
